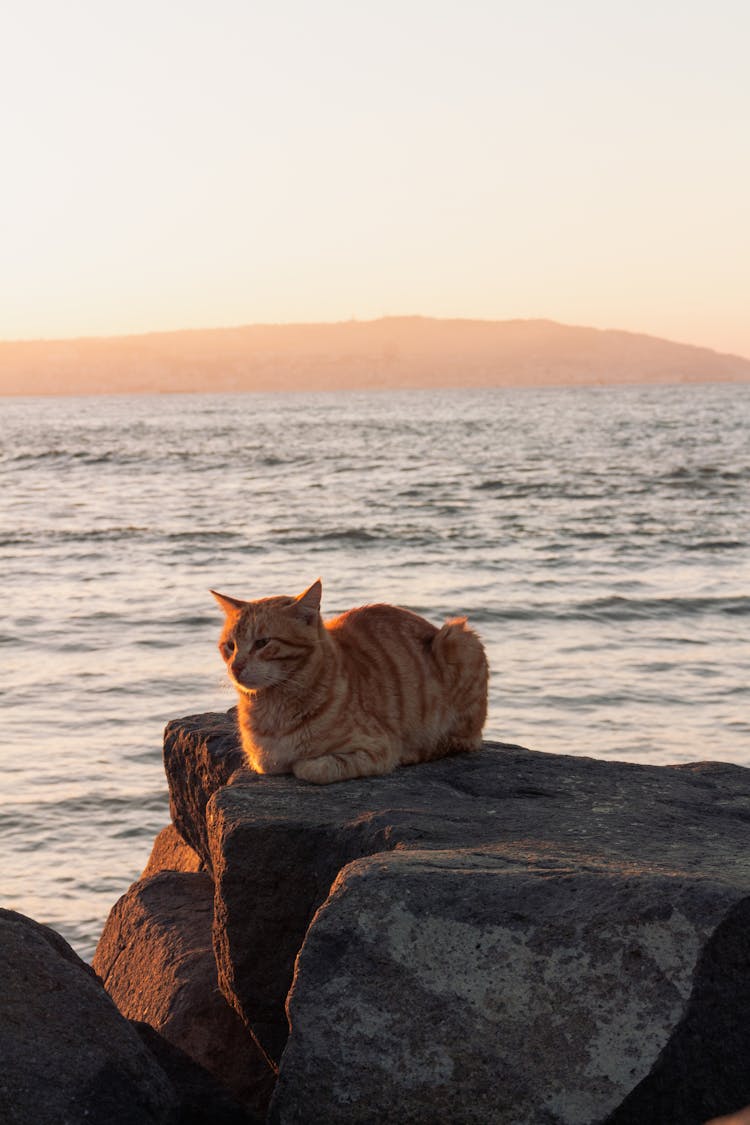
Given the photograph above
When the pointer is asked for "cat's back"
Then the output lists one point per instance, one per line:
(380, 623)
(422, 687)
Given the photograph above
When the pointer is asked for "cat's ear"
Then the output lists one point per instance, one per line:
(231, 606)
(308, 603)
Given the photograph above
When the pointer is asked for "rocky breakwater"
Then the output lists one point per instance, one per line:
(508, 937)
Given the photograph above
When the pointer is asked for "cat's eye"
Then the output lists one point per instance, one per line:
(261, 642)
(227, 648)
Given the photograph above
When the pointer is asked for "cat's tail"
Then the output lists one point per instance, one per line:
(456, 646)
(463, 669)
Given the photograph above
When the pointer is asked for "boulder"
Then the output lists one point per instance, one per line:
(201, 753)
(513, 934)
(483, 992)
(704, 1068)
(202, 1100)
(742, 1117)
(156, 961)
(170, 853)
(67, 1054)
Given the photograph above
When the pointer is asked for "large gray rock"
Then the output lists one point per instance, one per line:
(66, 1054)
(156, 961)
(523, 940)
(482, 991)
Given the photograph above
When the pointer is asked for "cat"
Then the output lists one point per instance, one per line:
(351, 697)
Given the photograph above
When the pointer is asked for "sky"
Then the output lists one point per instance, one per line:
(204, 164)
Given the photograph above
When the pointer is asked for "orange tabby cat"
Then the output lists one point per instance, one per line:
(329, 700)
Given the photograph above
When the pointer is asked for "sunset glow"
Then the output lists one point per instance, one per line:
(231, 164)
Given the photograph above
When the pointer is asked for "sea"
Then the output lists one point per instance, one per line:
(598, 539)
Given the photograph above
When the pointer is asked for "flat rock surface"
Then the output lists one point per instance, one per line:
(687, 817)
(691, 817)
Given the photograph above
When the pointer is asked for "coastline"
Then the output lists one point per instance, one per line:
(394, 353)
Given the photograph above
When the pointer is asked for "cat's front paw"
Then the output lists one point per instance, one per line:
(319, 771)
(344, 765)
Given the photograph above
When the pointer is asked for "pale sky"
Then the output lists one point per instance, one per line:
(184, 165)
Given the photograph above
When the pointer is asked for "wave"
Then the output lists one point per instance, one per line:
(715, 545)
(546, 489)
(207, 536)
(54, 536)
(692, 475)
(353, 537)
(574, 484)
(617, 608)
(620, 608)
(76, 456)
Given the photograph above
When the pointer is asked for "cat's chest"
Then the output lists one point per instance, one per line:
(292, 727)
(279, 729)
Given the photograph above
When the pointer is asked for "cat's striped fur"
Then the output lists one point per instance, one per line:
(358, 695)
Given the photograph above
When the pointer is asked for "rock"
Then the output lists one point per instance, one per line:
(67, 1054)
(271, 873)
(202, 1100)
(536, 995)
(156, 961)
(171, 853)
(705, 1067)
(516, 932)
(742, 1117)
(201, 753)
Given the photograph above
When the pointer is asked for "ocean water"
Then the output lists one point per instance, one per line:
(598, 539)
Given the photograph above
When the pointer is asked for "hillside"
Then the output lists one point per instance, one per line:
(394, 352)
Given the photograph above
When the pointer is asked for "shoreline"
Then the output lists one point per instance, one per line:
(600, 385)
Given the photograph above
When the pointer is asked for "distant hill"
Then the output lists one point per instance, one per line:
(394, 352)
